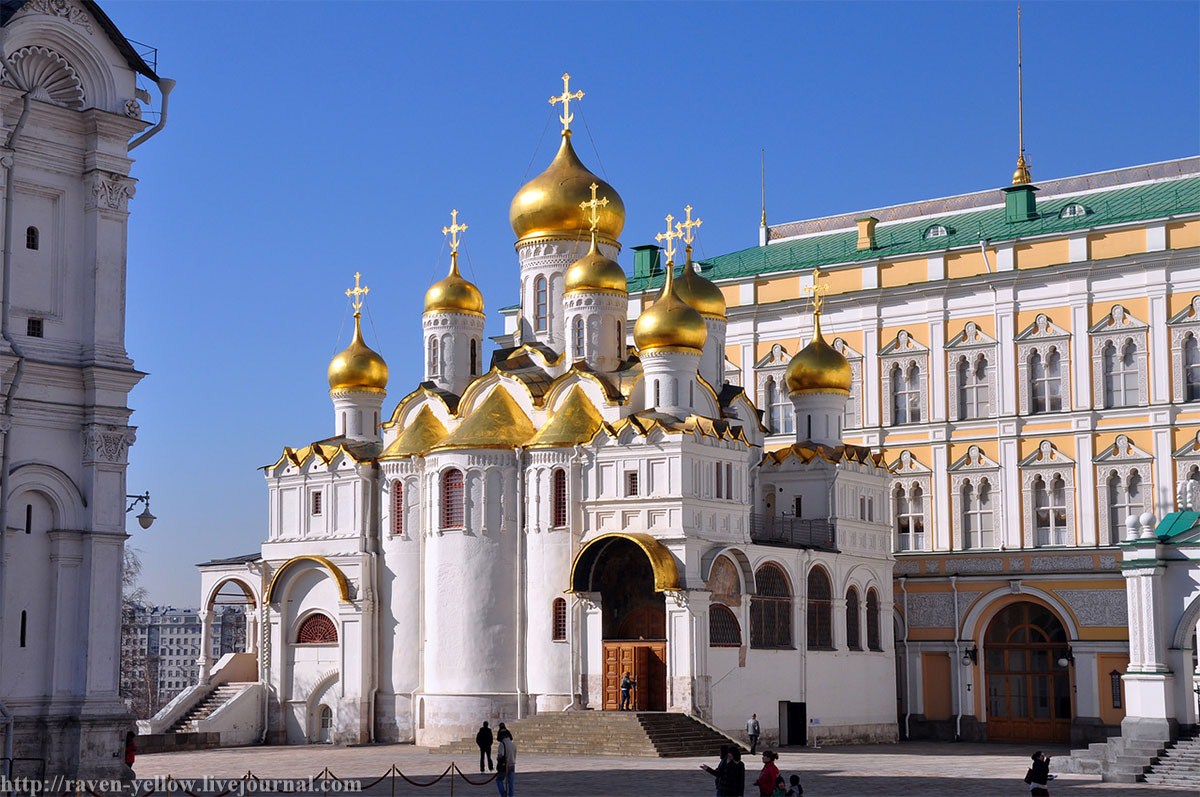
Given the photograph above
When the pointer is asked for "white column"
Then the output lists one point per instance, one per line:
(1085, 492)
(204, 660)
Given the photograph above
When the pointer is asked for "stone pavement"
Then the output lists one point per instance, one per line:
(917, 768)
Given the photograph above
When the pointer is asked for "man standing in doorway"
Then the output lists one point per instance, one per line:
(627, 685)
(752, 730)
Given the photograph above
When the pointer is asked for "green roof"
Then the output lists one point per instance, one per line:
(967, 229)
(1176, 523)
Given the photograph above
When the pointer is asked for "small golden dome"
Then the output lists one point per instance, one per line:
(453, 293)
(358, 367)
(1022, 176)
(670, 323)
(548, 205)
(700, 293)
(595, 272)
(818, 367)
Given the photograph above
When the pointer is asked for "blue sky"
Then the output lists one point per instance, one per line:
(310, 140)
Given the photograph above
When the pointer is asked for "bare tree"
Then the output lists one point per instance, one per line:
(139, 670)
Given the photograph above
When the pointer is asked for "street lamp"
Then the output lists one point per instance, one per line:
(145, 518)
(970, 656)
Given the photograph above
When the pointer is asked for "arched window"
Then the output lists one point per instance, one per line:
(973, 388)
(853, 639)
(541, 304)
(32, 238)
(577, 335)
(559, 620)
(452, 499)
(1120, 375)
(873, 620)
(820, 610)
(769, 391)
(1124, 499)
(435, 361)
(771, 609)
(723, 628)
(1050, 511)
(906, 393)
(910, 518)
(317, 629)
(657, 393)
(1191, 369)
(977, 515)
(1045, 380)
(397, 507)
(474, 357)
(558, 495)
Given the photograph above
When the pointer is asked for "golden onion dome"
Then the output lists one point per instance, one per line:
(818, 367)
(700, 293)
(548, 205)
(670, 323)
(453, 293)
(358, 367)
(595, 272)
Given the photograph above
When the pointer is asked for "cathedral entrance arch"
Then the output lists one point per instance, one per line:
(630, 572)
(1028, 690)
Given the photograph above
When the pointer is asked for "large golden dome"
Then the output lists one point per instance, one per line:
(453, 293)
(594, 272)
(358, 367)
(818, 367)
(700, 293)
(548, 205)
(670, 323)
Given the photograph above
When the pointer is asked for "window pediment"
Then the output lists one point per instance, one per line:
(1116, 322)
(974, 460)
(1043, 328)
(906, 463)
(777, 357)
(1189, 314)
(1046, 456)
(1122, 450)
(1190, 449)
(843, 348)
(970, 336)
(901, 345)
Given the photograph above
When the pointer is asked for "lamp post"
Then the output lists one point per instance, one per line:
(145, 518)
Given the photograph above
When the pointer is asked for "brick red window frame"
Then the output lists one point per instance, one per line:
(559, 612)
(452, 499)
(558, 492)
(317, 629)
(397, 507)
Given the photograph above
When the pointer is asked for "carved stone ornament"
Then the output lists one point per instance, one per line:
(133, 109)
(59, 8)
(109, 191)
(678, 597)
(107, 444)
(46, 75)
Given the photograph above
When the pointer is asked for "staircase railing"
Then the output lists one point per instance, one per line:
(793, 532)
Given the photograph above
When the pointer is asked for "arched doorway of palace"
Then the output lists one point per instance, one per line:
(1028, 676)
(629, 573)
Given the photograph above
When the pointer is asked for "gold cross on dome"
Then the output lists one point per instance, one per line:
(817, 291)
(592, 206)
(684, 228)
(453, 230)
(669, 237)
(565, 98)
(356, 293)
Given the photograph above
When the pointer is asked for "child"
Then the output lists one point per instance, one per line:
(780, 788)
(795, 790)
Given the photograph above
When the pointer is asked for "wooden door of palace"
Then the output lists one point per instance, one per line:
(1028, 691)
(646, 663)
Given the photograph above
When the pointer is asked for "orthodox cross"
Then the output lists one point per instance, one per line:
(453, 230)
(684, 228)
(669, 237)
(592, 206)
(356, 293)
(565, 98)
(817, 291)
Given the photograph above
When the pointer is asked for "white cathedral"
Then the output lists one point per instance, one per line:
(509, 540)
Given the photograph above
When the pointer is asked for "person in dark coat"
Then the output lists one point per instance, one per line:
(735, 775)
(719, 772)
(503, 733)
(484, 740)
(1039, 775)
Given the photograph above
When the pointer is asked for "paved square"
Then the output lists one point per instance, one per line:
(918, 768)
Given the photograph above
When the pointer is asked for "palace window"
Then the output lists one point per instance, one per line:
(1120, 374)
(873, 620)
(781, 415)
(631, 483)
(452, 499)
(906, 393)
(853, 637)
(910, 517)
(317, 629)
(1191, 368)
(32, 238)
(1050, 511)
(1126, 496)
(559, 620)
(558, 493)
(973, 388)
(936, 231)
(435, 360)
(820, 610)
(316, 502)
(397, 507)
(1073, 210)
(723, 628)
(578, 336)
(1046, 382)
(540, 304)
(771, 609)
(977, 515)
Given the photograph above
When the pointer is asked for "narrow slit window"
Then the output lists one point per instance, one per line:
(33, 239)
(559, 633)
(29, 518)
(316, 502)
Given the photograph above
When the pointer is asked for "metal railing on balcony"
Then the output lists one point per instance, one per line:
(793, 532)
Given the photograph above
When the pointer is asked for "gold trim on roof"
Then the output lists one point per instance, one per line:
(576, 421)
(425, 432)
(420, 393)
(338, 576)
(326, 452)
(662, 561)
(807, 452)
(498, 422)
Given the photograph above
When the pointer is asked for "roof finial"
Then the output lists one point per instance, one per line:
(684, 228)
(817, 291)
(1021, 176)
(565, 98)
(453, 230)
(763, 155)
(356, 293)
(592, 208)
(669, 237)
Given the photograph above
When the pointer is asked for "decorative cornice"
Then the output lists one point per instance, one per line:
(58, 8)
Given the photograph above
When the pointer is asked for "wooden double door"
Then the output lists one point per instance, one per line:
(646, 663)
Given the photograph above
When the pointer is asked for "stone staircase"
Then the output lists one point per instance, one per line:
(638, 733)
(1117, 760)
(1178, 766)
(215, 699)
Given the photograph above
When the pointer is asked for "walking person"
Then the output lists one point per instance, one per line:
(627, 685)
(720, 771)
(506, 762)
(770, 774)
(752, 730)
(484, 740)
(1038, 776)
